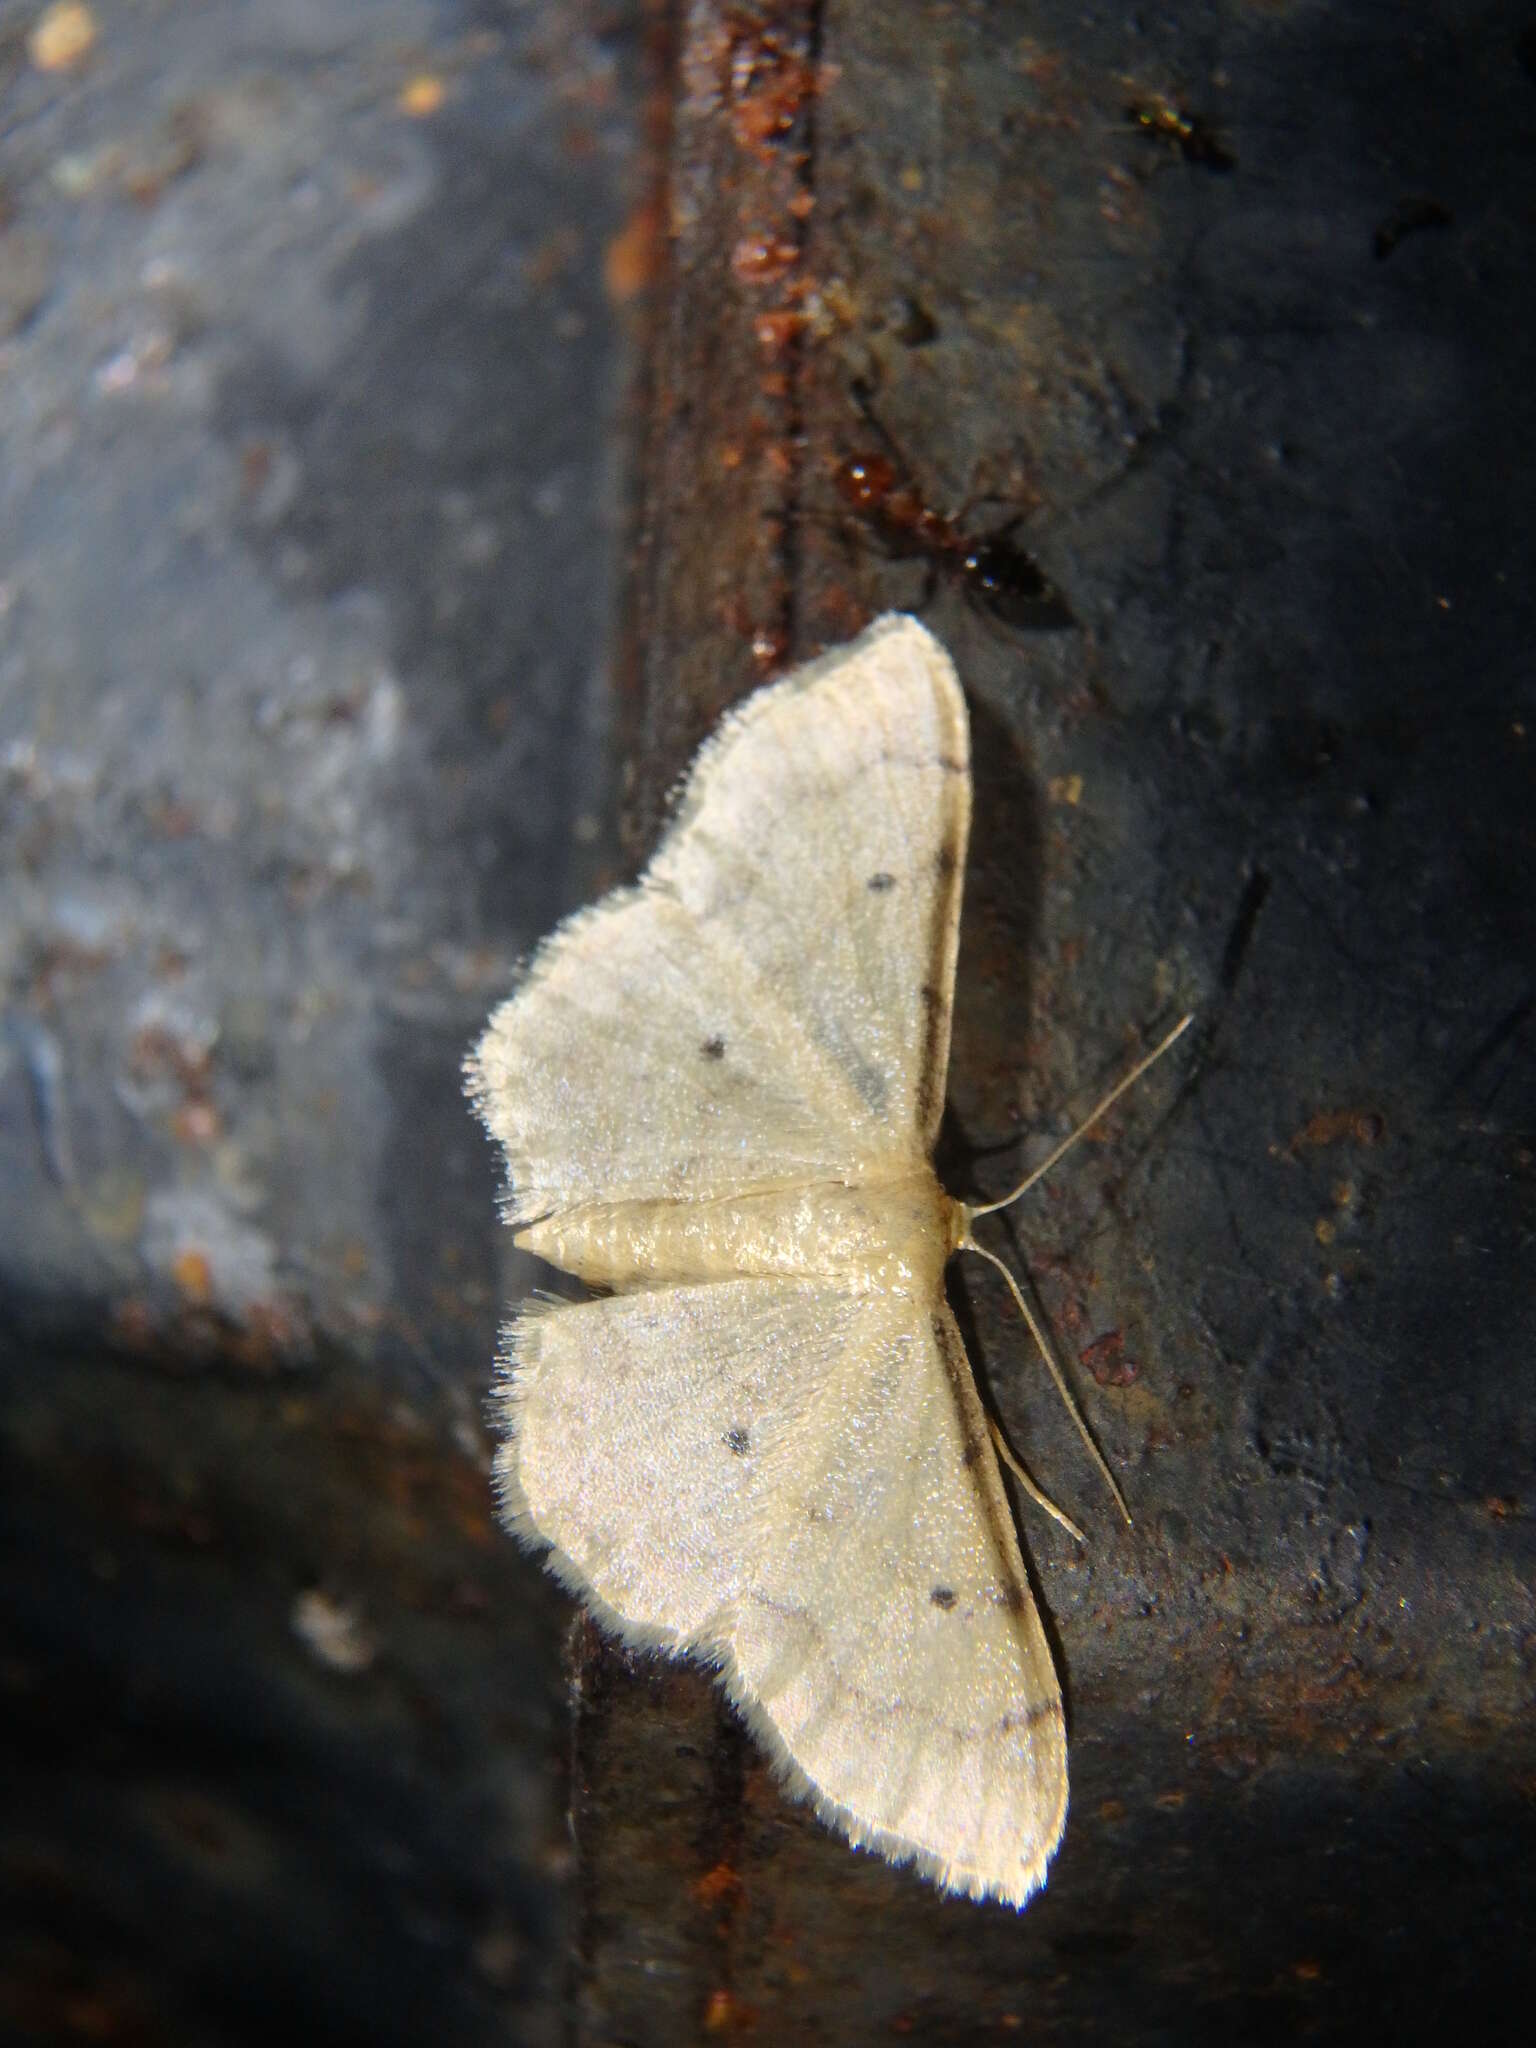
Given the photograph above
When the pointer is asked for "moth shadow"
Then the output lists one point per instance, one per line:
(999, 935)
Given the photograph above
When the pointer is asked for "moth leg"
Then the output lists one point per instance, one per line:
(1040, 1499)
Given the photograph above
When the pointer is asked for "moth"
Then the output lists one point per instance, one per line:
(761, 1444)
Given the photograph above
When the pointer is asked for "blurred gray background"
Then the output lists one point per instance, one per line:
(308, 383)
(416, 423)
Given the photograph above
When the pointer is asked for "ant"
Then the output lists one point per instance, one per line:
(1196, 142)
(992, 571)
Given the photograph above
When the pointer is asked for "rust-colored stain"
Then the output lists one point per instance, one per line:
(193, 1275)
(264, 1338)
(421, 96)
(59, 966)
(197, 1123)
(766, 83)
(769, 82)
(132, 1326)
(270, 1334)
(1337, 1126)
(761, 259)
(412, 1475)
(256, 463)
(777, 332)
(724, 2013)
(169, 818)
(1105, 1358)
(556, 256)
(178, 145)
(721, 1882)
(62, 36)
(155, 1053)
(632, 260)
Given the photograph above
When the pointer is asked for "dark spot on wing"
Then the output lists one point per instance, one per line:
(931, 997)
(738, 1441)
(713, 1048)
(1042, 1710)
(1011, 1597)
(881, 882)
(946, 860)
(970, 1457)
(953, 767)
(941, 1596)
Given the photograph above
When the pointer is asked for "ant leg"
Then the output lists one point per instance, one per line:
(1009, 527)
(862, 391)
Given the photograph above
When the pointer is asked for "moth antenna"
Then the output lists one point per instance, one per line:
(1042, 1344)
(1041, 1500)
(1126, 1081)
